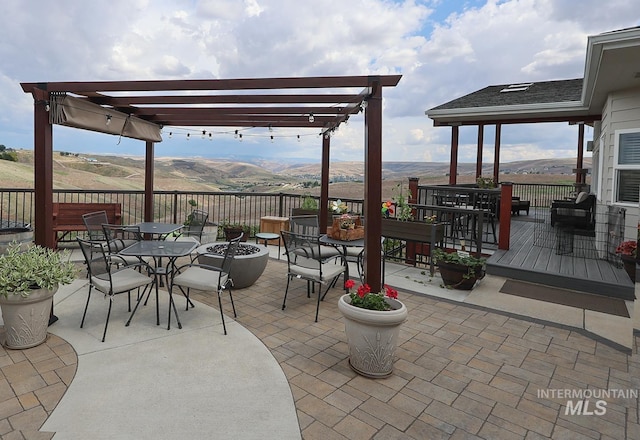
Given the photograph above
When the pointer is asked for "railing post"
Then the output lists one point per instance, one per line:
(280, 204)
(410, 257)
(175, 206)
(506, 193)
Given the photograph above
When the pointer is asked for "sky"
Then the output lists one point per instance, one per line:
(443, 49)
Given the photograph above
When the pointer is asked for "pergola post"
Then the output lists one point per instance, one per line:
(148, 181)
(480, 146)
(373, 186)
(496, 154)
(453, 161)
(44, 234)
(324, 182)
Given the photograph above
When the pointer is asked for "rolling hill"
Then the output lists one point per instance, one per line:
(73, 171)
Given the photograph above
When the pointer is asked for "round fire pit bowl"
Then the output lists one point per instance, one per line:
(248, 264)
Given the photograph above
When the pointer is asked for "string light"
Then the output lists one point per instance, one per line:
(311, 118)
(237, 133)
(108, 119)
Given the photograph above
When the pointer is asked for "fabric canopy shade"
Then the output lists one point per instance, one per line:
(80, 113)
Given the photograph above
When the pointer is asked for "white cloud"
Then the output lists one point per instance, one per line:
(478, 44)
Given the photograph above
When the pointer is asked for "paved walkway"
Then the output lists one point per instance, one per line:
(463, 371)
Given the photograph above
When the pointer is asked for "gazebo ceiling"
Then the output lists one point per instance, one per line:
(259, 102)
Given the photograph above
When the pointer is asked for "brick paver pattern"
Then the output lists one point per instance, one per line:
(461, 373)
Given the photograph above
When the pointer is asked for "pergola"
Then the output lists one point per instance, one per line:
(138, 109)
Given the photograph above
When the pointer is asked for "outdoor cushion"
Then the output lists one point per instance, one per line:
(581, 197)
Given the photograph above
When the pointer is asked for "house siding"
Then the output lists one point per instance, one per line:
(621, 111)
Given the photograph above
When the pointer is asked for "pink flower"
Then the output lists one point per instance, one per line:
(349, 284)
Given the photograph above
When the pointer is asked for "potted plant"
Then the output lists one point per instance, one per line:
(398, 221)
(372, 326)
(485, 182)
(309, 206)
(459, 270)
(627, 251)
(233, 230)
(28, 280)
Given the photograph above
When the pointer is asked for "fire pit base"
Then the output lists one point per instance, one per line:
(248, 264)
(21, 235)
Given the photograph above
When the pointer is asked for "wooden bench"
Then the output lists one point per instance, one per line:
(67, 217)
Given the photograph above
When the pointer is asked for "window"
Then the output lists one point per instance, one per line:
(627, 166)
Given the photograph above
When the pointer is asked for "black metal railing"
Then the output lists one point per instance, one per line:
(17, 205)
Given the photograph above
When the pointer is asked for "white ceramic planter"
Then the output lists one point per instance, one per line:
(372, 336)
(26, 319)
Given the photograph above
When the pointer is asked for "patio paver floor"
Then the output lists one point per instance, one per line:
(462, 372)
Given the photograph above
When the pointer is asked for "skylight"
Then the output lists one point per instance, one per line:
(516, 88)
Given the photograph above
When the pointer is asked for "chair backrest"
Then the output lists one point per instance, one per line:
(119, 237)
(95, 258)
(196, 220)
(302, 250)
(304, 224)
(93, 221)
(230, 253)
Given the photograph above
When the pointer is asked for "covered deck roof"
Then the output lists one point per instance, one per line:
(609, 67)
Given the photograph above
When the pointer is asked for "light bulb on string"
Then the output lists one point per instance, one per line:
(270, 128)
(311, 118)
(203, 134)
(108, 119)
(236, 134)
(272, 139)
(170, 134)
(240, 136)
(188, 136)
(298, 138)
(210, 137)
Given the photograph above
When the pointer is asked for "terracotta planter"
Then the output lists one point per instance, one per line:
(413, 231)
(453, 275)
(629, 263)
(26, 319)
(372, 336)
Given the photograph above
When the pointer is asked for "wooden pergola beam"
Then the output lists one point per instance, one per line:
(271, 112)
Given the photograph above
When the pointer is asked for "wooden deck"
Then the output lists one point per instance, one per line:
(527, 261)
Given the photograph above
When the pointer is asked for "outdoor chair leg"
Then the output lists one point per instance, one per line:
(172, 305)
(286, 292)
(86, 307)
(319, 299)
(224, 327)
(233, 306)
(106, 324)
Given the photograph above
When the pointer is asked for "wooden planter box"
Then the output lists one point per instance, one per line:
(413, 231)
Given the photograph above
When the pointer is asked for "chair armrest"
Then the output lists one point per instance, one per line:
(122, 263)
